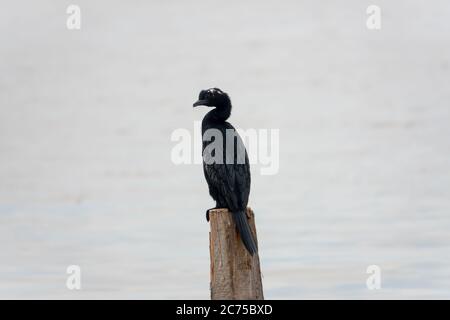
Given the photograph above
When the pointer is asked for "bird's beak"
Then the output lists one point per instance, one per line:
(200, 103)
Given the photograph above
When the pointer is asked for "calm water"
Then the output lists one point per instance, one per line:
(85, 124)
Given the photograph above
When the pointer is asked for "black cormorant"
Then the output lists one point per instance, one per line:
(228, 177)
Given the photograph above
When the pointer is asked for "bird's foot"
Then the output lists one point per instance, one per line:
(207, 212)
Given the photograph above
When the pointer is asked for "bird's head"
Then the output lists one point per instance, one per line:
(213, 97)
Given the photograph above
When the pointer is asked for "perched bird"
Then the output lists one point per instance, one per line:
(228, 176)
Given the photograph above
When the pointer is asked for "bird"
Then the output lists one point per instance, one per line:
(227, 168)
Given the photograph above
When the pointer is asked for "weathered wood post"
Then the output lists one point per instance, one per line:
(235, 274)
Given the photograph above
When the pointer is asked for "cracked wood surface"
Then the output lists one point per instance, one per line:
(235, 274)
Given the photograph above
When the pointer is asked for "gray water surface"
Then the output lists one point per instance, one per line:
(86, 117)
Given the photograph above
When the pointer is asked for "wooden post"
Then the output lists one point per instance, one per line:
(235, 274)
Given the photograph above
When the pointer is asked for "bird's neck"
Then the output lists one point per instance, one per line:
(219, 113)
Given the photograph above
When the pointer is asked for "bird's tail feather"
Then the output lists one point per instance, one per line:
(240, 218)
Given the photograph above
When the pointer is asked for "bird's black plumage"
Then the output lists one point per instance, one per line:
(226, 169)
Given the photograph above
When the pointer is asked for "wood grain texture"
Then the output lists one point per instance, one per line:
(235, 274)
